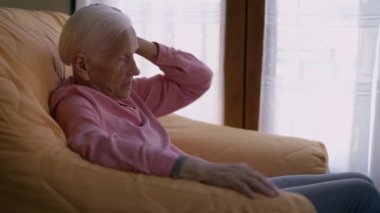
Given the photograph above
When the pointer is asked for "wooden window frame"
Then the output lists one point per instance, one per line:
(244, 39)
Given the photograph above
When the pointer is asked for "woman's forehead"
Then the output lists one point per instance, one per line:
(125, 42)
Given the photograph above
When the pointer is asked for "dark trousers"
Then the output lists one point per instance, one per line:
(335, 193)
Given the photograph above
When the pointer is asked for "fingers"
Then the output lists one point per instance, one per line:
(259, 183)
(146, 48)
(245, 189)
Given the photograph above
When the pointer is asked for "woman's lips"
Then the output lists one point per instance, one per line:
(127, 82)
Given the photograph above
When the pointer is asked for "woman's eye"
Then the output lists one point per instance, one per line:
(123, 59)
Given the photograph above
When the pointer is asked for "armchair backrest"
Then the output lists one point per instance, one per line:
(30, 69)
(28, 51)
(29, 64)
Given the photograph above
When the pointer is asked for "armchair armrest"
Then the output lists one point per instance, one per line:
(273, 155)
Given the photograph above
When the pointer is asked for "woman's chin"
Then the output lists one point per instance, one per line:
(124, 94)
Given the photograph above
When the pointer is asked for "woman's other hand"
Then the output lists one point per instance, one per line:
(146, 48)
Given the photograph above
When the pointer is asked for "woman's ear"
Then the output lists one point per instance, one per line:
(80, 66)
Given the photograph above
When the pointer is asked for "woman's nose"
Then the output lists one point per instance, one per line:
(133, 69)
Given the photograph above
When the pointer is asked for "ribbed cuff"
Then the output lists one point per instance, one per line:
(177, 166)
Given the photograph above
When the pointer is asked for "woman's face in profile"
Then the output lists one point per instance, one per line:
(113, 68)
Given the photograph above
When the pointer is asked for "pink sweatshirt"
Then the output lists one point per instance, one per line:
(125, 134)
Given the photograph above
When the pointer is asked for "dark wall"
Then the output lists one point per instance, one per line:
(55, 5)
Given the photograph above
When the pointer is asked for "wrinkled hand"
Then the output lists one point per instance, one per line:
(146, 48)
(237, 176)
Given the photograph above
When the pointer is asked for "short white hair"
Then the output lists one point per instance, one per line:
(88, 27)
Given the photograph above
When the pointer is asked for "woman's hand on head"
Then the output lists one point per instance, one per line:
(147, 49)
(237, 176)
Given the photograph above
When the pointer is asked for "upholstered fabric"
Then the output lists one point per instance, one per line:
(39, 173)
(273, 155)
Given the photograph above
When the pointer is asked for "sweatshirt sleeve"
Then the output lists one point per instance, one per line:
(185, 79)
(86, 136)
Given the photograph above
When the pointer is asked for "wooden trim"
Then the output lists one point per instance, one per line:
(244, 38)
(72, 6)
(254, 59)
(234, 63)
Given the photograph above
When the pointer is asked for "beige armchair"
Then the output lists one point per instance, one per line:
(39, 173)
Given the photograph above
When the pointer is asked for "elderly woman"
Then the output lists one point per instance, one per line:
(110, 118)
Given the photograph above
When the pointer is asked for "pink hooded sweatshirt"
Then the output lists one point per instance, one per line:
(125, 134)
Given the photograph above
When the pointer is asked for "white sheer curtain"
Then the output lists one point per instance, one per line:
(190, 25)
(321, 78)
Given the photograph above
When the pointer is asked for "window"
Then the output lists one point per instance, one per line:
(321, 77)
(190, 25)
